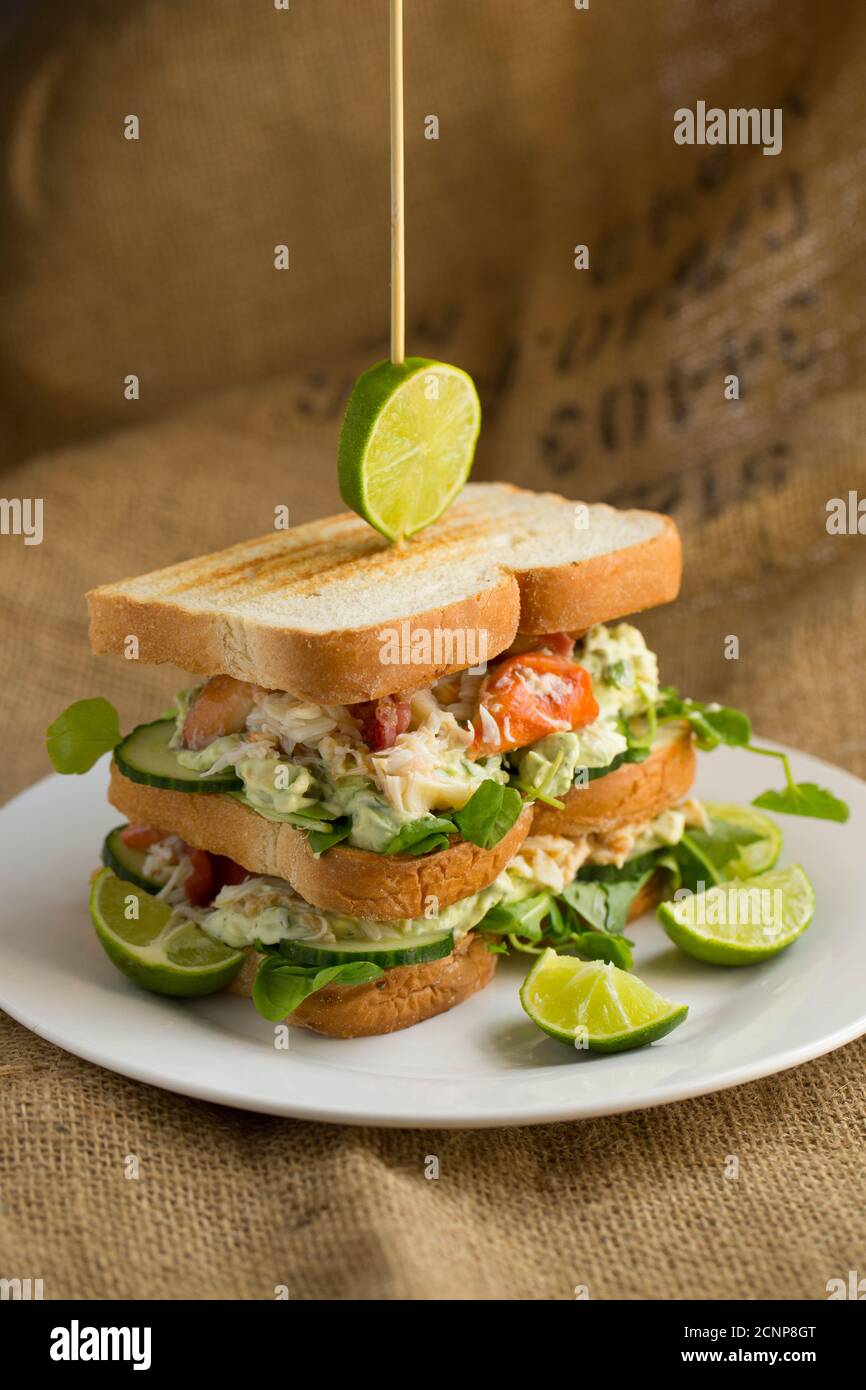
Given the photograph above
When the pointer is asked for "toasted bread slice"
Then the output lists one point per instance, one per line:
(635, 792)
(409, 993)
(352, 881)
(332, 612)
(405, 995)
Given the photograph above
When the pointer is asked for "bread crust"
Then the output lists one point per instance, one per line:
(408, 994)
(346, 665)
(400, 998)
(330, 668)
(635, 792)
(571, 598)
(352, 881)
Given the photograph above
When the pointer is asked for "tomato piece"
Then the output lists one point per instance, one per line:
(226, 871)
(560, 643)
(531, 695)
(141, 836)
(382, 721)
(199, 886)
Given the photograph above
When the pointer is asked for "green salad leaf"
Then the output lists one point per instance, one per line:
(605, 904)
(596, 945)
(716, 724)
(421, 836)
(589, 901)
(711, 724)
(590, 915)
(799, 798)
(81, 734)
(320, 840)
(804, 799)
(703, 855)
(554, 921)
(722, 842)
(635, 753)
(489, 814)
(523, 918)
(281, 986)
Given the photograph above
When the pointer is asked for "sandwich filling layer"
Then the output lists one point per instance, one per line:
(543, 720)
(267, 910)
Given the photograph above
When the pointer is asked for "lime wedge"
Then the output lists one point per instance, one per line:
(757, 857)
(593, 1005)
(158, 950)
(744, 920)
(407, 443)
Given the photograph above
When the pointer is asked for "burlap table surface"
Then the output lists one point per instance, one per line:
(260, 127)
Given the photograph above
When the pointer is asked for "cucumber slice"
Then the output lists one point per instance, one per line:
(400, 950)
(124, 861)
(144, 756)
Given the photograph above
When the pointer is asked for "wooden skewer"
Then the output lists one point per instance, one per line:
(398, 222)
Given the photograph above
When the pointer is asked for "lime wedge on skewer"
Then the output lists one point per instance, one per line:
(407, 443)
(595, 1005)
(757, 857)
(744, 920)
(158, 950)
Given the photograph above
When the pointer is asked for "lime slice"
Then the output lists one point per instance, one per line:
(155, 948)
(407, 443)
(593, 1005)
(744, 920)
(757, 857)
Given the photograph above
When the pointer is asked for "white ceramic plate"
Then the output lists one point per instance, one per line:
(482, 1064)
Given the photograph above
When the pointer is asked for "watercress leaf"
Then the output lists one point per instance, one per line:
(489, 814)
(596, 945)
(673, 874)
(804, 799)
(712, 724)
(731, 725)
(589, 900)
(431, 844)
(412, 838)
(722, 842)
(522, 918)
(81, 734)
(354, 972)
(313, 824)
(611, 873)
(496, 948)
(604, 900)
(620, 897)
(280, 986)
(313, 818)
(697, 870)
(558, 925)
(320, 840)
(635, 753)
(707, 737)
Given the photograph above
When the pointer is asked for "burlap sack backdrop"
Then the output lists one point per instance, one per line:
(155, 257)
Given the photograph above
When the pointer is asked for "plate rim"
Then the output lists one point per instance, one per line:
(323, 1115)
